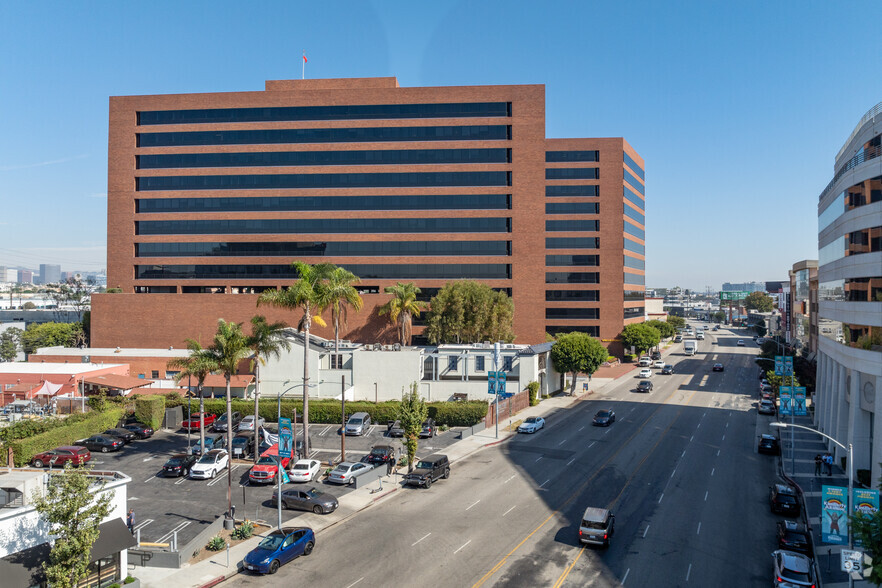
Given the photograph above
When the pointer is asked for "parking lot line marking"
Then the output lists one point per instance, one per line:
(625, 577)
(689, 571)
(420, 539)
(660, 497)
(148, 479)
(133, 498)
(324, 431)
(371, 429)
(143, 524)
(473, 504)
(698, 532)
(180, 527)
(645, 531)
(508, 511)
(463, 545)
(180, 480)
(582, 427)
(562, 442)
(356, 582)
(510, 479)
(147, 458)
(571, 461)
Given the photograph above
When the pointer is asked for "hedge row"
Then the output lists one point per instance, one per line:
(150, 410)
(30, 427)
(93, 423)
(452, 414)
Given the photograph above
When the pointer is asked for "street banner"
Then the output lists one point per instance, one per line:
(865, 502)
(785, 395)
(834, 519)
(788, 365)
(286, 437)
(779, 365)
(799, 407)
(491, 382)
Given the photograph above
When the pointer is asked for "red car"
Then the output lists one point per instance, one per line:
(76, 454)
(192, 423)
(267, 467)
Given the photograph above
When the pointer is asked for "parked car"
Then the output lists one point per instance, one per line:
(347, 471)
(75, 454)
(381, 455)
(220, 423)
(279, 547)
(718, 367)
(782, 500)
(305, 470)
(179, 465)
(531, 424)
(124, 434)
(267, 467)
(645, 361)
(140, 431)
(358, 424)
(211, 442)
(247, 423)
(659, 364)
(428, 430)
(795, 537)
(792, 570)
(767, 406)
(668, 370)
(678, 338)
(394, 429)
(428, 470)
(769, 444)
(604, 418)
(102, 443)
(192, 423)
(645, 373)
(644, 386)
(306, 499)
(210, 464)
(243, 445)
(597, 526)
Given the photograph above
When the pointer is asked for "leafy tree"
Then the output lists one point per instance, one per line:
(678, 322)
(868, 530)
(304, 295)
(74, 293)
(640, 336)
(402, 308)
(577, 353)
(719, 316)
(412, 411)
(759, 301)
(338, 293)
(266, 340)
(29, 305)
(466, 311)
(666, 330)
(10, 343)
(73, 507)
(197, 366)
(50, 335)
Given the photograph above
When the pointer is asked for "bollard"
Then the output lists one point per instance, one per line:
(174, 545)
(138, 536)
(228, 555)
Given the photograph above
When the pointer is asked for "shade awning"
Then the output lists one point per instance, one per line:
(113, 537)
(117, 381)
(25, 568)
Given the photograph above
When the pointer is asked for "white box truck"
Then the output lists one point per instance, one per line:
(690, 346)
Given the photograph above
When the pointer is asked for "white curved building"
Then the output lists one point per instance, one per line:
(849, 370)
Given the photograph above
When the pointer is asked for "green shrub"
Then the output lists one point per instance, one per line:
(173, 399)
(129, 580)
(92, 423)
(244, 531)
(533, 387)
(458, 414)
(150, 410)
(216, 543)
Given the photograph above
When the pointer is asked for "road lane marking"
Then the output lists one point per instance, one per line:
(660, 497)
(420, 539)
(724, 438)
(545, 482)
(691, 438)
(674, 472)
(562, 442)
(698, 532)
(508, 511)
(538, 458)
(705, 495)
(625, 577)
(718, 453)
(147, 458)
(571, 461)
(592, 444)
(712, 471)
(510, 479)
(566, 573)
(689, 571)
(645, 531)
(474, 503)
(582, 427)
(463, 545)
(682, 455)
(356, 582)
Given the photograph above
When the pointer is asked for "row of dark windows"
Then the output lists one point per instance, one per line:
(572, 208)
(635, 295)
(357, 135)
(629, 161)
(852, 290)
(572, 242)
(572, 225)
(633, 181)
(309, 203)
(286, 158)
(590, 330)
(865, 241)
(630, 212)
(357, 180)
(572, 173)
(635, 231)
(572, 313)
(572, 277)
(633, 198)
(634, 246)
(634, 311)
(564, 156)
(567, 260)
(324, 225)
(324, 249)
(409, 271)
(638, 279)
(342, 112)
(572, 191)
(572, 295)
(634, 263)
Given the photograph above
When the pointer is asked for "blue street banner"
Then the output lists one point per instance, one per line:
(865, 502)
(779, 365)
(785, 395)
(491, 382)
(286, 437)
(500, 382)
(788, 365)
(834, 519)
(799, 407)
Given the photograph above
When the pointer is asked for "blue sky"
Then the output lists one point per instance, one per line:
(738, 108)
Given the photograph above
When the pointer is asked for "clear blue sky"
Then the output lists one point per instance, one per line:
(737, 107)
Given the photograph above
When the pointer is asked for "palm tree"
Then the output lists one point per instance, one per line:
(266, 340)
(302, 294)
(336, 293)
(229, 348)
(197, 365)
(402, 308)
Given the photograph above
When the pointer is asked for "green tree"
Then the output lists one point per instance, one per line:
(50, 335)
(267, 340)
(718, 317)
(665, 329)
(338, 293)
(412, 411)
(402, 308)
(10, 343)
(29, 305)
(577, 353)
(868, 530)
(196, 366)
(759, 301)
(74, 293)
(640, 336)
(465, 311)
(74, 507)
(304, 295)
(678, 322)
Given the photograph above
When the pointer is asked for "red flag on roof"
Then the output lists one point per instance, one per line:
(304, 58)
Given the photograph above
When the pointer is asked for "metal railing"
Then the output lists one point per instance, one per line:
(871, 114)
(860, 157)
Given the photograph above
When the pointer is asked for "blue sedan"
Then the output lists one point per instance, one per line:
(280, 547)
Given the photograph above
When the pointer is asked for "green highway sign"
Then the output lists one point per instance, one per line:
(734, 295)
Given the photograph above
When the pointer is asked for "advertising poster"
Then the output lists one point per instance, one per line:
(785, 396)
(799, 407)
(286, 437)
(834, 519)
(788, 365)
(865, 502)
(779, 365)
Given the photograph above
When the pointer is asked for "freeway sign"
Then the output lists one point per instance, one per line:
(733, 294)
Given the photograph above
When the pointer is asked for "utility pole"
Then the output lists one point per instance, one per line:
(343, 420)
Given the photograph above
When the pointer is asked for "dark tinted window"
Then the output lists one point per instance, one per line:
(572, 173)
(478, 271)
(571, 225)
(323, 248)
(630, 212)
(634, 246)
(572, 190)
(568, 295)
(632, 197)
(633, 181)
(592, 330)
(633, 230)
(572, 242)
(281, 181)
(325, 225)
(558, 156)
(572, 277)
(343, 112)
(572, 313)
(635, 279)
(634, 311)
(635, 294)
(633, 165)
(552, 260)
(634, 263)
(572, 208)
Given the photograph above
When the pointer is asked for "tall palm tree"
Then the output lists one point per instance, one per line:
(402, 308)
(337, 293)
(302, 294)
(229, 348)
(197, 365)
(266, 340)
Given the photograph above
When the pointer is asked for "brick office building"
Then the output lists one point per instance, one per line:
(212, 196)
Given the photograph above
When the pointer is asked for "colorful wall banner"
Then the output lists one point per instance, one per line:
(785, 395)
(286, 437)
(864, 502)
(779, 365)
(834, 511)
(799, 407)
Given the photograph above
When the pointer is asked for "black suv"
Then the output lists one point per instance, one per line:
(644, 386)
(782, 500)
(655, 355)
(379, 455)
(769, 444)
(795, 537)
(428, 470)
(428, 429)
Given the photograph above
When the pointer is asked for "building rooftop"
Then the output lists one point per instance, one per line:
(122, 352)
(72, 369)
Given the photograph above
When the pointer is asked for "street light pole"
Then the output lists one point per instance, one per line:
(343, 419)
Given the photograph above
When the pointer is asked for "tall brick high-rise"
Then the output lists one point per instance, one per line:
(211, 196)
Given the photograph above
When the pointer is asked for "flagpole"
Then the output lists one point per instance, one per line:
(303, 64)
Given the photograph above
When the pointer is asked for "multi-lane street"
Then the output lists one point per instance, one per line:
(678, 468)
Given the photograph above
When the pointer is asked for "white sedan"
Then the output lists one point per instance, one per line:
(645, 373)
(659, 364)
(247, 423)
(305, 470)
(531, 425)
(210, 464)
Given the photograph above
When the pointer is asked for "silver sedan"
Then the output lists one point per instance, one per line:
(347, 471)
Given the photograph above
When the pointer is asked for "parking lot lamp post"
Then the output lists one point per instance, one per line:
(189, 409)
(343, 420)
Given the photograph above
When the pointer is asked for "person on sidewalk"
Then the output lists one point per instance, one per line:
(818, 464)
(130, 521)
(829, 461)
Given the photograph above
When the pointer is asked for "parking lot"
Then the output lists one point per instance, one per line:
(166, 505)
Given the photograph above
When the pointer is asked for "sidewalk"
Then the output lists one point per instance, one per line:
(800, 467)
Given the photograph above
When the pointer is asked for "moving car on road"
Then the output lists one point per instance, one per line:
(604, 418)
(645, 361)
(305, 470)
(192, 423)
(644, 386)
(792, 570)
(210, 464)
(668, 370)
(597, 526)
(659, 364)
(306, 499)
(75, 454)
(179, 465)
(347, 471)
(428, 470)
(655, 355)
(279, 547)
(645, 373)
(718, 367)
(740, 343)
(102, 443)
(531, 424)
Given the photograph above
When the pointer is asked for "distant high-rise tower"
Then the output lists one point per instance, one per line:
(50, 274)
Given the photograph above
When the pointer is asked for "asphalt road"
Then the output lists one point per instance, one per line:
(678, 468)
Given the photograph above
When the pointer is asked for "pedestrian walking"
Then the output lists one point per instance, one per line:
(130, 521)
(818, 464)
(829, 460)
